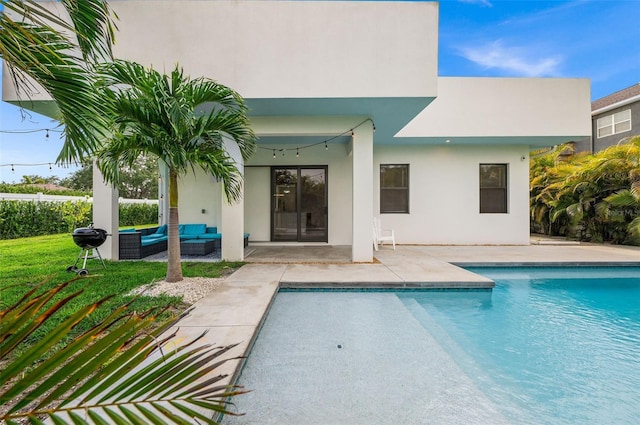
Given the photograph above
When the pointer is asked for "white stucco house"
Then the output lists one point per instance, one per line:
(353, 123)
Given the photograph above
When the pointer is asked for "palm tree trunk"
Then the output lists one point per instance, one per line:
(174, 267)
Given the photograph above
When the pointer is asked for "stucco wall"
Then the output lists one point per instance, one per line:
(444, 195)
(198, 191)
(533, 111)
(283, 49)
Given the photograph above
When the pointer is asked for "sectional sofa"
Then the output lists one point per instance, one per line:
(136, 244)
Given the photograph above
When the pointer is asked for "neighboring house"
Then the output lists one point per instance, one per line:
(353, 123)
(614, 118)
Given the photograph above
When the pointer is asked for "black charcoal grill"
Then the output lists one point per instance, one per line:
(88, 239)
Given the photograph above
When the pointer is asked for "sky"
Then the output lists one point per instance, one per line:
(595, 39)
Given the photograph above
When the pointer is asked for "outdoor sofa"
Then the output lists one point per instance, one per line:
(194, 238)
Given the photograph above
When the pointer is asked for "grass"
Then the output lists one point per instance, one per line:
(27, 262)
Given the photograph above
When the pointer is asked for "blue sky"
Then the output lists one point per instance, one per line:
(595, 39)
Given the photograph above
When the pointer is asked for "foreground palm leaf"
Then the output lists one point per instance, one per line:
(115, 370)
(183, 122)
(31, 47)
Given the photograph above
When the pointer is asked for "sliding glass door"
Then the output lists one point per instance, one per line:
(299, 204)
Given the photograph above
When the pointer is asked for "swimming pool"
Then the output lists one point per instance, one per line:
(550, 345)
(546, 346)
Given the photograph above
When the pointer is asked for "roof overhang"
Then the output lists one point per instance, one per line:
(389, 114)
(499, 111)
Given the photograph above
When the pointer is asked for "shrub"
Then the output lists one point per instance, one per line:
(134, 214)
(20, 219)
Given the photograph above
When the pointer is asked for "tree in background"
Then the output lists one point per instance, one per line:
(182, 122)
(36, 179)
(31, 47)
(139, 181)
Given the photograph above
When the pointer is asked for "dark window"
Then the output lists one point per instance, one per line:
(493, 188)
(394, 188)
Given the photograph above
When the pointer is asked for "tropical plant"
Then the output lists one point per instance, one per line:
(184, 123)
(116, 372)
(590, 197)
(36, 52)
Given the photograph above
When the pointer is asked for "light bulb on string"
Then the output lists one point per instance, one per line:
(47, 134)
(274, 154)
(50, 169)
(12, 169)
(326, 148)
(297, 153)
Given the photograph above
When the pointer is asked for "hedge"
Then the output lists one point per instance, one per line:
(25, 188)
(19, 219)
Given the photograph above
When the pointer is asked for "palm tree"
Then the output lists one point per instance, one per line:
(31, 47)
(166, 116)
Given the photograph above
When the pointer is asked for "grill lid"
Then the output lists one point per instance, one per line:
(89, 237)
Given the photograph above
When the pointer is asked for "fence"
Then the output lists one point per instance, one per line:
(40, 197)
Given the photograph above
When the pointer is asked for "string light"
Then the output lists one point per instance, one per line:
(46, 130)
(350, 132)
(36, 164)
(47, 135)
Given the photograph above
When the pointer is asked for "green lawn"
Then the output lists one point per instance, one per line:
(27, 262)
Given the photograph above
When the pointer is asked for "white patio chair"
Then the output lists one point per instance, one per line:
(380, 235)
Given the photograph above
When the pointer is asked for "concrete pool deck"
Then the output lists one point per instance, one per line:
(235, 311)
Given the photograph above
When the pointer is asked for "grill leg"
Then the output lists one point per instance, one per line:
(96, 251)
(78, 258)
(86, 255)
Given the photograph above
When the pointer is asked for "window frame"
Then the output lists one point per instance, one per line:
(613, 123)
(383, 209)
(505, 189)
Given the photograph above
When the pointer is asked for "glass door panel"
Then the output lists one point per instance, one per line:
(299, 204)
(313, 204)
(285, 204)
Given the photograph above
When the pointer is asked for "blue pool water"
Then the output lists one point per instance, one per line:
(547, 345)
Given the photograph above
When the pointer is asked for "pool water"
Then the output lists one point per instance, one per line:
(547, 345)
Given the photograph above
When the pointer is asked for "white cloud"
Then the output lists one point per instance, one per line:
(485, 3)
(515, 61)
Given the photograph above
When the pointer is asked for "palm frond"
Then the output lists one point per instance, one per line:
(39, 57)
(117, 371)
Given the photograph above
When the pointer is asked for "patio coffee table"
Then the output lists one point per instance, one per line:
(197, 246)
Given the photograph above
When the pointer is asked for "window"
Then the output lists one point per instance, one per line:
(394, 188)
(614, 123)
(493, 188)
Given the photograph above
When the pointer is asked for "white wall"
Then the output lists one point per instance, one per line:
(197, 192)
(257, 203)
(444, 195)
(494, 108)
(282, 49)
